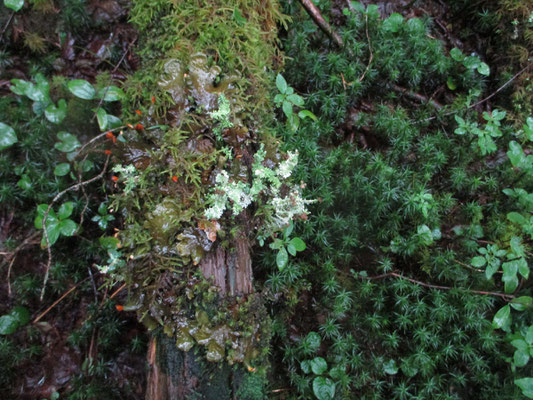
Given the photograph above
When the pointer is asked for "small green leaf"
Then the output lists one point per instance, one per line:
(529, 335)
(24, 183)
(296, 99)
(67, 227)
(15, 5)
(68, 142)
(8, 324)
(298, 244)
(287, 108)
(291, 249)
(323, 388)
(502, 319)
(313, 341)
(450, 82)
(101, 116)
(521, 303)
(358, 6)
(319, 365)
(478, 261)
(111, 93)
(65, 210)
(82, 89)
(521, 357)
(282, 258)
(8, 137)
(457, 54)
(390, 367)
(21, 314)
(491, 269)
(471, 62)
(307, 114)
(509, 277)
(306, 366)
(526, 384)
(54, 114)
(483, 69)
(516, 218)
(53, 231)
(115, 122)
(281, 84)
(62, 169)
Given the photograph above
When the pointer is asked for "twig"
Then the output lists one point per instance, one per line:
(486, 98)
(6, 25)
(95, 291)
(416, 96)
(369, 49)
(98, 137)
(55, 303)
(45, 216)
(506, 297)
(13, 255)
(117, 291)
(314, 13)
(124, 55)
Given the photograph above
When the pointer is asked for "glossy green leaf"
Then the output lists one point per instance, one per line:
(114, 122)
(521, 357)
(313, 341)
(306, 366)
(8, 137)
(101, 116)
(8, 325)
(15, 5)
(526, 384)
(54, 114)
(296, 99)
(478, 261)
(450, 82)
(21, 314)
(502, 319)
(291, 249)
(111, 93)
(281, 83)
(65, 210)
(529, 335)
(390, 367)
(358, 6)
(323, 388)
(68, 142)
(319, 365)
(298, 244)
(82, 89)
(307, 114)
(287, 108)
(521, 303)
(457, 54)
(62, 169)
(282, 258)
(67, 227)
(471, 62)
(483, 69)
(510, 279)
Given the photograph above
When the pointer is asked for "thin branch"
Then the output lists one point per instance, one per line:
(416, 96)
(506, 297)
(486, 98)
(98, 137)
(45, 216)
(55, 303)
(12, 255)
(314, 13)
(7, 25)
(369, 49)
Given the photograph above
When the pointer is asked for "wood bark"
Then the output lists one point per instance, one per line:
(174, 374)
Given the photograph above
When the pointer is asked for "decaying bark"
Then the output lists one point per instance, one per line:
(174, 374)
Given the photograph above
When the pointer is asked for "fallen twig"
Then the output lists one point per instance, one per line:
(416, 96)
(11, 256)
(321, 22)
(506, 297)
(369, 49)
(55, 303)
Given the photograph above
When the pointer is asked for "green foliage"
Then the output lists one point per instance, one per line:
(17, 317)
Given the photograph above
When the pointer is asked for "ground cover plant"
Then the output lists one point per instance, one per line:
(312, 199)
